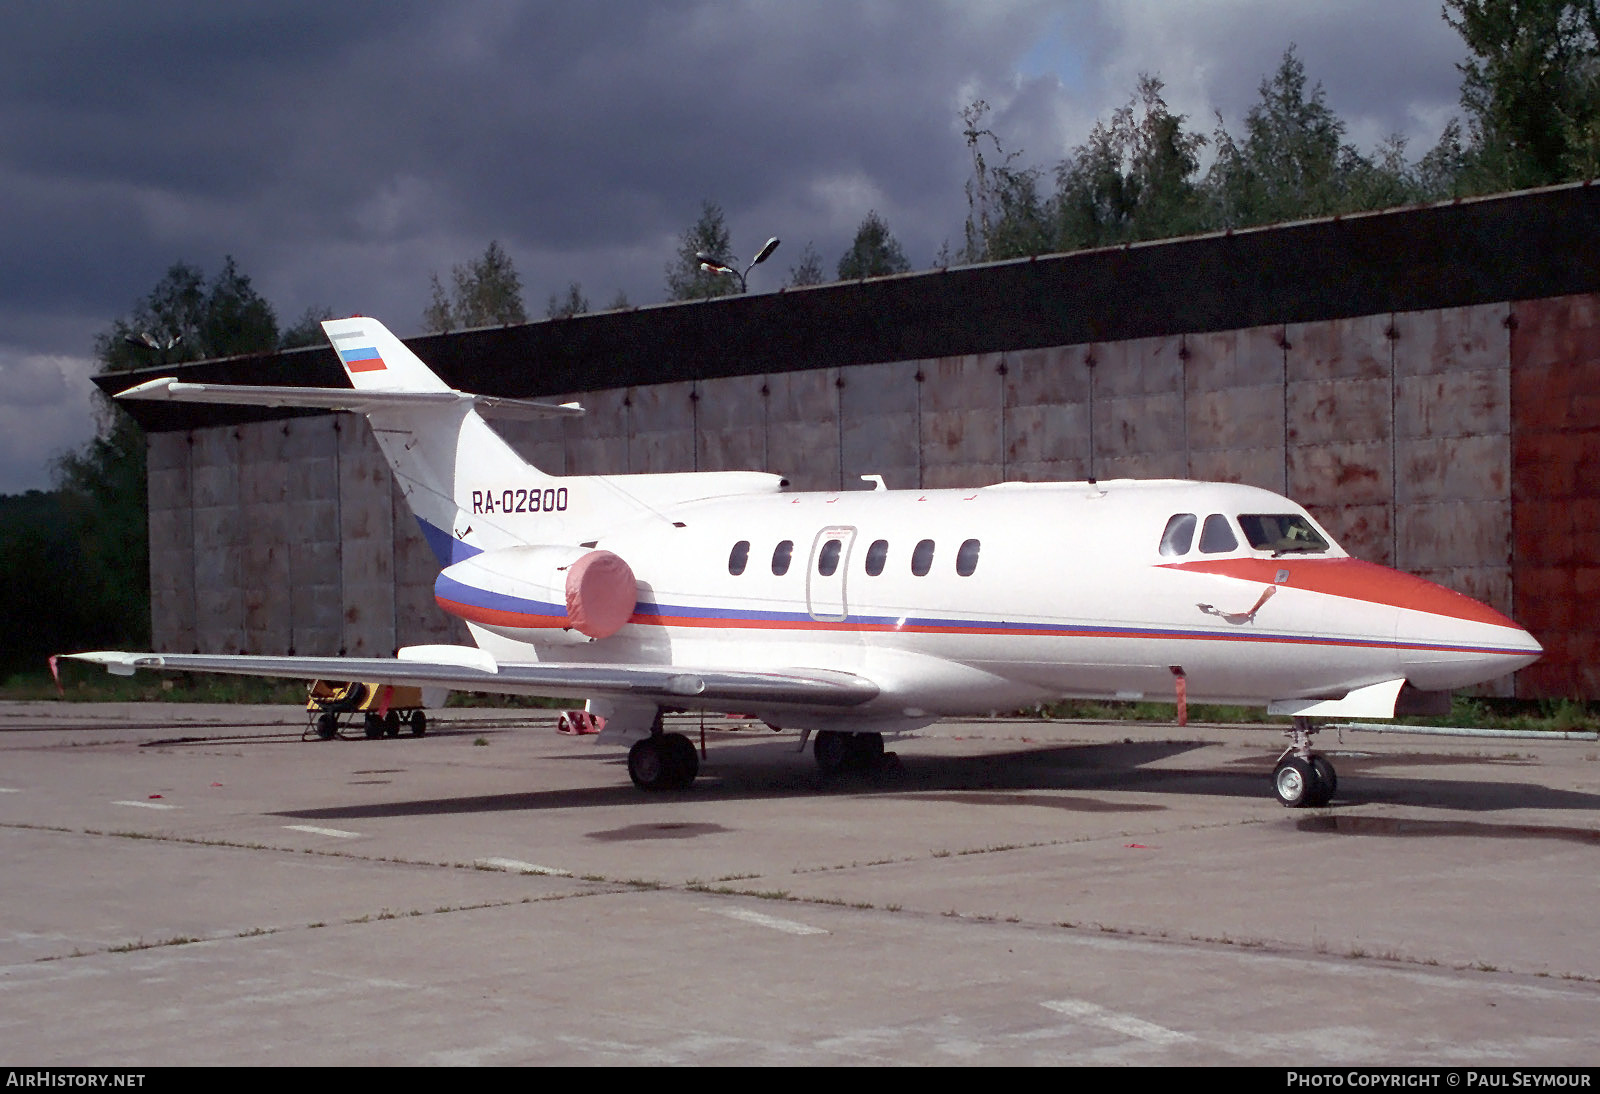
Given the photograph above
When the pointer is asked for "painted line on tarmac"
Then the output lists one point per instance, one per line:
(517, 866)
(9, 790)
(1125, 1024)
(147, 805)
(337, 833)
(772, 922)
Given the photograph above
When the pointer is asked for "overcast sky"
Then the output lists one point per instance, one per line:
(342, 151)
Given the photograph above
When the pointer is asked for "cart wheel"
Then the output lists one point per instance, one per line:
(391, 724)
(327, 725)
(418, 722)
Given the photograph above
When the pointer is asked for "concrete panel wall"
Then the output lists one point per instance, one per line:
(1456, 443)
(172, 563)
(366, 535)
(1046, 422)
(1339, 429)
(219, 576)
(311, 535)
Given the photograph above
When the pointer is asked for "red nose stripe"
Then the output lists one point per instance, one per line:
(1355, 580)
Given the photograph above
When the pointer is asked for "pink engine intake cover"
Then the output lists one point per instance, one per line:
(601, 594)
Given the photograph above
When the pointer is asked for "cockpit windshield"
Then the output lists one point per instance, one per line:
(1281, 533)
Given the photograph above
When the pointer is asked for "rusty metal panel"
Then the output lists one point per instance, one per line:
(1139, 425)
(366, 532)
(1047, 443)
(1330, 476)
(264, 497)
(1333, 349)
(1555, 398)
(1460, 404)
(961, 421)
(1467, 468)
(662, 427)
(1149, 465)
(732, 424)
(171, 530)
(1320, 412)
(1046, 416)
(1452, 340)
(803, 428)
(1453, 534)
(1366, 531)
(219, 600)
(880, 423)
(1139, 366)
(1261, 467)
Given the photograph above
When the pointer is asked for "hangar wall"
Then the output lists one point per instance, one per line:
(1439, 441)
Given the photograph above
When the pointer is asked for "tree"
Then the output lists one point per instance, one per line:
(185, 319)
(307, 330)
(486, 292)
(707, 235)
(808, 271)
(1132, 179)
(619, 302)
(101, 487)
(564, 307)
(1292, 162)
(1531, 90)
(873, 253)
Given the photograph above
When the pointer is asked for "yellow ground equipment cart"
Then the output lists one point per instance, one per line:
(384, 709)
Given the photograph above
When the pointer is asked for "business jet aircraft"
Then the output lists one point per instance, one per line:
(850, 615)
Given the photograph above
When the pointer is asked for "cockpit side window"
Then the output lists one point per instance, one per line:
(1179, 536)
(1216, 536)
(1282, 533)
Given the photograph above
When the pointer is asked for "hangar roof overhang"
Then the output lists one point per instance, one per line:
(1527, 245)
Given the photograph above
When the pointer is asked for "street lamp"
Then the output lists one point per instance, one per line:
(714, 265)
(145, 340)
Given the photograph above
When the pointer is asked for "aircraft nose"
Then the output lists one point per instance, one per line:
(1448, 640)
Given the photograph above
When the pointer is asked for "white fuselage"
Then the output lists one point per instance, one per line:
(1020, 593)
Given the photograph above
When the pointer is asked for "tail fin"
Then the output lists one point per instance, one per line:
(376, 360)
(468, 488)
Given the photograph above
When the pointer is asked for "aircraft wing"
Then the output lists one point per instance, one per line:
(465, 668)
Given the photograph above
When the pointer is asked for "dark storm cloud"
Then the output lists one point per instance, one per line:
(343, 151)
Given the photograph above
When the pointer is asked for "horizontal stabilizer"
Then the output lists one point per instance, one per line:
(170, 389)
(697, 688)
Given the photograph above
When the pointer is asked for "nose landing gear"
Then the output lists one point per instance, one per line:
(1303, 778)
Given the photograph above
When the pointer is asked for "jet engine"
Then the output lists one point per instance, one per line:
(541, 593)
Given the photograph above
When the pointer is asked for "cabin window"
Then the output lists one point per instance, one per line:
(877, 554)
(922, 558)
(738, 557)
(1216, 537)
(1281, 533)
(967, 558)
(1179, 536)
(781, 554)
(828, 558)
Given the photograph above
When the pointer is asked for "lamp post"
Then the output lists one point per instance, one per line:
(714, 265)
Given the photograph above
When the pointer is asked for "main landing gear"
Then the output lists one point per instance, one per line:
(837, 752)
(663, 761)
(1303, 778)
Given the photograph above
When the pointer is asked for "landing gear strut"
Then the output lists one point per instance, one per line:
(1302, 777)
(663, 761)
